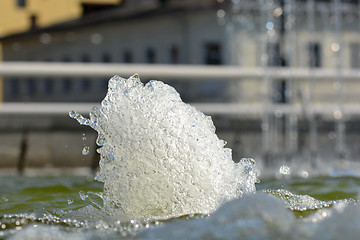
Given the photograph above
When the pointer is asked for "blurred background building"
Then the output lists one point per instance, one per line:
(177, 32)
(277, 41)
(167, 32)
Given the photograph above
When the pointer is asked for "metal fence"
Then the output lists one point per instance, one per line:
(279, 122)
(176, 73)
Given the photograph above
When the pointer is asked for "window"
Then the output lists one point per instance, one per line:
(275, 59)
(66, 59)
(48, 85)
(213, 54)
(14, 87)
(355, 55)
(85, 58)
(314, 54)
(21, 3)
(104, 84)
(66, 82)
(85, 82)
(128, 57)
(106, 58)
(30, 86)
(274, 55)
(33, 21)
(279, 93)
(150, 56)
(66, 85)
(174, 54)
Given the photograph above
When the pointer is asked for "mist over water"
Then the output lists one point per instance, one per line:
(161, 157)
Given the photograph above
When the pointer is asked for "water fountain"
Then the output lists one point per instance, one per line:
(337, 47)
(310, 8)
(159, 156)
(166, 174)
(289, 33)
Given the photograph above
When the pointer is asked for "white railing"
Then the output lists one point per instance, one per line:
(174, 73)
(233, 109)
(190, 73)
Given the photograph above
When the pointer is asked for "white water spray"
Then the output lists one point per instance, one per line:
(161, 157)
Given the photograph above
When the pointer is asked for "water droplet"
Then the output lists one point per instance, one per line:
(337, 114)
(100, 140)
(72, 114)
(304, 174)
(269, 25)
(104, 103)
(117, 205)
(135, 76)
(285, 170)
(83, 136)
(85, 150)
(83, 196)
(84, 121)
(70, 201)
(45, 38)
(109, 157)
(277, 12)
(335, 47)
(332, 135)
(96, 38)
(220, 13)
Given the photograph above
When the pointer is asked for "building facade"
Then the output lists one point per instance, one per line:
(146, 33)
(249, 34)
(23, 15)
(296, 35)
(18, 16)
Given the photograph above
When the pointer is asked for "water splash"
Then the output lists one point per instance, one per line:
(301, 203)
(161, 157)
(83, 196)
(85, 150)
(284, 170)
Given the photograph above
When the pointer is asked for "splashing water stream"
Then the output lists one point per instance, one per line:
(161, 157)
(166, 175)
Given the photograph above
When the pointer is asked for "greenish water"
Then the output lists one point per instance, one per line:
(322, 188)
(54, 194)
(50, 198)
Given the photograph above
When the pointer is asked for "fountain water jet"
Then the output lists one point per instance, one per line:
(161, 157)
(290, 35)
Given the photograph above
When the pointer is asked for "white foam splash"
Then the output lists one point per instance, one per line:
(161, 157)
(257, 216)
